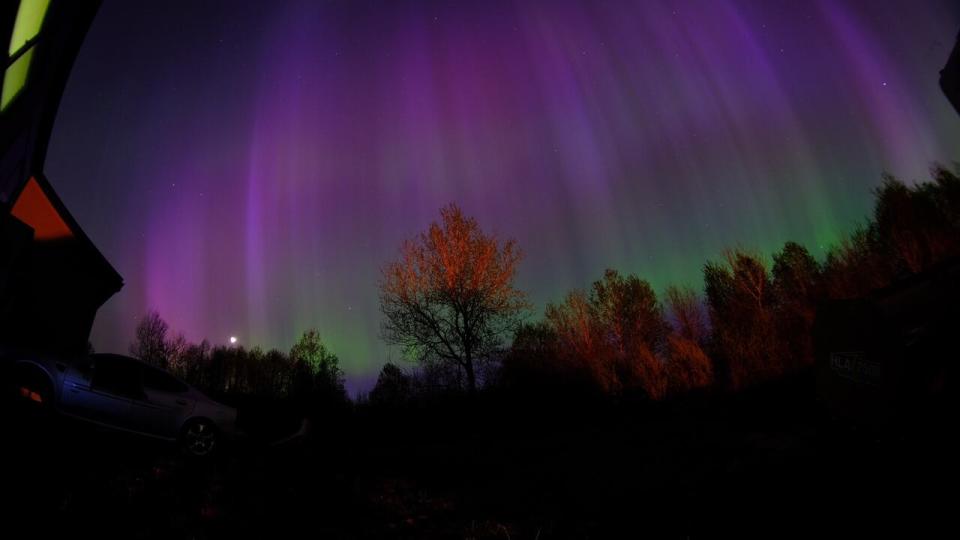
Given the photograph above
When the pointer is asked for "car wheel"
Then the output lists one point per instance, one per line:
(199, 438)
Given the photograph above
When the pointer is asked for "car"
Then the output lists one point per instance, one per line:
(126, 394)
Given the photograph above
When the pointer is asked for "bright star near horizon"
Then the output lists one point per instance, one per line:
(233, 340)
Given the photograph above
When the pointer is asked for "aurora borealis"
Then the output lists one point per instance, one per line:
(248, 169)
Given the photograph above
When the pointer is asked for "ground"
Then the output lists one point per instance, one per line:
(494, 468)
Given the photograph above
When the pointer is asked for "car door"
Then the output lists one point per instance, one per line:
(76, 385)
(165, 404)
(101, 390)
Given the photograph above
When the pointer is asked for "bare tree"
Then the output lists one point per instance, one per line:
(740, 297)
(450, 296)
(688, 313)
(616, 334)
(150, 342)
(633, 330)
(797, 287)
(176, 350)
(688, 366)
(574, 324)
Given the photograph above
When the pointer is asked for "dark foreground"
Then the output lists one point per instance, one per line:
(769, 461)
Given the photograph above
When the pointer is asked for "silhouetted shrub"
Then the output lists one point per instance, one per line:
(535, 363)
(393, 388)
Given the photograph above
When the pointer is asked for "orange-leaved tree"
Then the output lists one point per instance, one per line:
(450, 296)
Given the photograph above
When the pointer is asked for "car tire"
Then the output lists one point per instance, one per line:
(199, 438)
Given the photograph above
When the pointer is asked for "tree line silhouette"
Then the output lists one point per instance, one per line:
(309, 373)
(752, 323)
(450, 302)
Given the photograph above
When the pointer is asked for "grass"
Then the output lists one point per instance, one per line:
(495, 467)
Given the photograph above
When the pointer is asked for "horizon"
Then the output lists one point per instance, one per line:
(771, 123)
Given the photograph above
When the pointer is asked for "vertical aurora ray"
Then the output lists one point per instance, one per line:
(252, 179)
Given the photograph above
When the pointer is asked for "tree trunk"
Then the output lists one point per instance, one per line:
(471, 376)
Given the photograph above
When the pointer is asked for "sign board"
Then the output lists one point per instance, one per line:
(855, 365)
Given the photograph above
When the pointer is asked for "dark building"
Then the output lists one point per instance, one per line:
(52, 278)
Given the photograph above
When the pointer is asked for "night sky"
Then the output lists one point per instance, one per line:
(249, 167)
